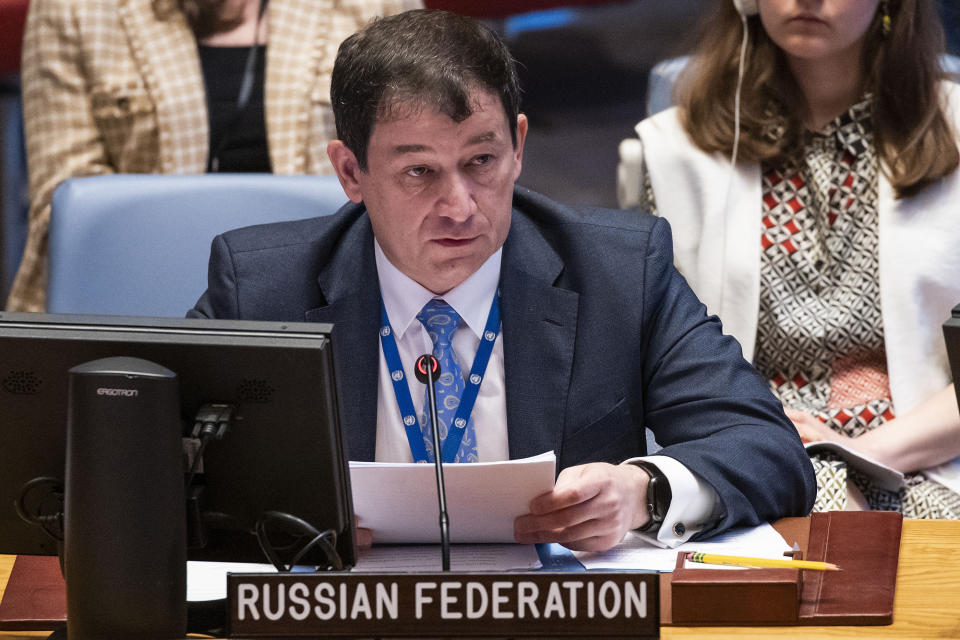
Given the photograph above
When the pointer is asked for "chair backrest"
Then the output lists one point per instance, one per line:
(138, 245)
(660, 85)
(951, 64)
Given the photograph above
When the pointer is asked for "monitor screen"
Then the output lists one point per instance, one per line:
(283, 451)
(951, 333)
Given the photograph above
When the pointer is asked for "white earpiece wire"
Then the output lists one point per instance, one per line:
(736, 146)
(736, 96)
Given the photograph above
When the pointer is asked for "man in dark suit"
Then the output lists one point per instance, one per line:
(600, 336)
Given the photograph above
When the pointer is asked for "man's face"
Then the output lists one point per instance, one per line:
(439, 193)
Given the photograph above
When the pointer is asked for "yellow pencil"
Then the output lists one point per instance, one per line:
(761, 563)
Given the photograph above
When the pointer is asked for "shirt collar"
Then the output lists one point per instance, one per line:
(404, 298)
(852, 129)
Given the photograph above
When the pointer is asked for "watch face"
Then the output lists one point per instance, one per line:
(655, 500)
(658, 495)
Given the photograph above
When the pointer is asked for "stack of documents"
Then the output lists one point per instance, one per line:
(398, 501)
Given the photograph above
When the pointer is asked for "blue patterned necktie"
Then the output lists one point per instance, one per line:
(441, 321)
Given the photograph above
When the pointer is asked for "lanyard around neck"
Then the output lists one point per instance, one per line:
(472, 387)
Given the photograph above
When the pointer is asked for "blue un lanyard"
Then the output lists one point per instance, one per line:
(472, 387)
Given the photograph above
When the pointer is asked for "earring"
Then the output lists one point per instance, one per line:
(885, 22)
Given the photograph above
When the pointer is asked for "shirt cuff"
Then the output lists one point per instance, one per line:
(691, 506)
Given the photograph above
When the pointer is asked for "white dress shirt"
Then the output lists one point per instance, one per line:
(403, 299)
(693, 501)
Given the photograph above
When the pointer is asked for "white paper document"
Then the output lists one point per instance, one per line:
(398, 501)
(463, 557)
(886, 477)
(208, 580)
(635, 552)
(947, 474)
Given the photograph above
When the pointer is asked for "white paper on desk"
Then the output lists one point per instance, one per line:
(463, 557)
(208, 580)
(398, 501)
(886, 477)
(634, 552)
(947, 474)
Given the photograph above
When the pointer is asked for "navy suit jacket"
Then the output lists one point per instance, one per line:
(601, 338)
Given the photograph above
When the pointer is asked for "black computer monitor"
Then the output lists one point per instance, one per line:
(951, 333)
(282, 453)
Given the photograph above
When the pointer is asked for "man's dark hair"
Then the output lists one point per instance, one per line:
(413, 60)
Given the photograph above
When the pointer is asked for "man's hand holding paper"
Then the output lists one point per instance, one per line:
(591, 507)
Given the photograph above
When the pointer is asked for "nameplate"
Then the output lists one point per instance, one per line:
(577, 604)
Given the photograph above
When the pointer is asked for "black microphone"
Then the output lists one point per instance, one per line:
(428, 370)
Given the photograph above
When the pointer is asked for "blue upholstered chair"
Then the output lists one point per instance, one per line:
(660, 85)
(139, 244)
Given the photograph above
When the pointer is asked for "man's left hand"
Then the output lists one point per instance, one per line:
(591, 507)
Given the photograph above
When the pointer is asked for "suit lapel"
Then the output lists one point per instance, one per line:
(539, 332)
(350, 286)
(166, 53)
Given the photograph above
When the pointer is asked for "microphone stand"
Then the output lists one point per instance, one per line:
(428, 369)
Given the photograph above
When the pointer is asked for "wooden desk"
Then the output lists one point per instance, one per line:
(927, 603)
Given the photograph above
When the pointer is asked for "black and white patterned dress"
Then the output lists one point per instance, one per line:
(820, 338)
(820, 331)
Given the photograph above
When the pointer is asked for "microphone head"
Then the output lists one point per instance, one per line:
(424, 361)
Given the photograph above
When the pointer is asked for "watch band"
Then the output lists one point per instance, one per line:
(658, 495)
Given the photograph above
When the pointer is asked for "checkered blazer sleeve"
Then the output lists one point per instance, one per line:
(62, 138)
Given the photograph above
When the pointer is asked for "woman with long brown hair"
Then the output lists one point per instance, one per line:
(175, 86)
(809, 172)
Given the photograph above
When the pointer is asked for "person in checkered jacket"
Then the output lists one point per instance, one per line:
(814, 210)
(154, 86)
